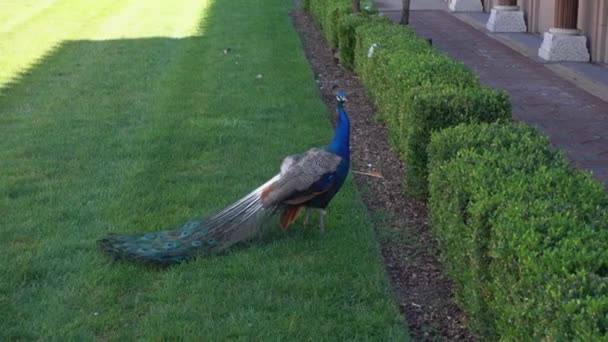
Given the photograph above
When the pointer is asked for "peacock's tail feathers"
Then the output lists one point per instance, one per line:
(240, 221)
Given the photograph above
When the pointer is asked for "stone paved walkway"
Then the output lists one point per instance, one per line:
(575, 121)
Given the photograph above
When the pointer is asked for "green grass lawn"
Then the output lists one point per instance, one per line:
(126, 116)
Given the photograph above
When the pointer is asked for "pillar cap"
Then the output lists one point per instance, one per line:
(570, 32)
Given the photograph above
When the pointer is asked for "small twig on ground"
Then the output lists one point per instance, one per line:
(371, 174)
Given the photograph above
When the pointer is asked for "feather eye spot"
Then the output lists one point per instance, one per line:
(211, 242)
(185, 233)
(191, 224)
(196, 243)
(170, 245)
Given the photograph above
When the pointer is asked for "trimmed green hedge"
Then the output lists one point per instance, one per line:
(391, 59)
(416, 89)
(523, 235)
(347, 37)
(431, 109)
(330, 14)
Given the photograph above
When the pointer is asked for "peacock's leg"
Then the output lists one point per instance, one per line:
(306, 216)
(322, 213)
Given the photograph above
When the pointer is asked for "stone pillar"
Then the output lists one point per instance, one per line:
(566, 14)
(506, 17)
(465, 6)
(506, 3)
(564, 42)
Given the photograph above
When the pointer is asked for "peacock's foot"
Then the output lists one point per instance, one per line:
(322, 213)
(306, 216)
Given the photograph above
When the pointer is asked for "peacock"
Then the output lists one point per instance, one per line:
(306, 181)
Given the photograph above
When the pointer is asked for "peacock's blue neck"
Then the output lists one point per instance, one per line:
(341, 143)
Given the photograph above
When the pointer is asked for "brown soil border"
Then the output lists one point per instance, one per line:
(422, 291)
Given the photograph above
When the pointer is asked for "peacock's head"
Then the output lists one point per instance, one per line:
(341, 97)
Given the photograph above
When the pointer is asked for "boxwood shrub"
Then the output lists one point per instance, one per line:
(430, 109)
(347, 38)
(328, 13)
(401, 61)
(521, 233)
(403, 74)
(418, 90)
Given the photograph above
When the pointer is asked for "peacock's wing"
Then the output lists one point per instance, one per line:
(303, 177)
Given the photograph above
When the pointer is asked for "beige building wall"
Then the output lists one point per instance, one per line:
(592, 20)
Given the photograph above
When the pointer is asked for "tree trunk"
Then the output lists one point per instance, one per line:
(356, 6)
(405, 13)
